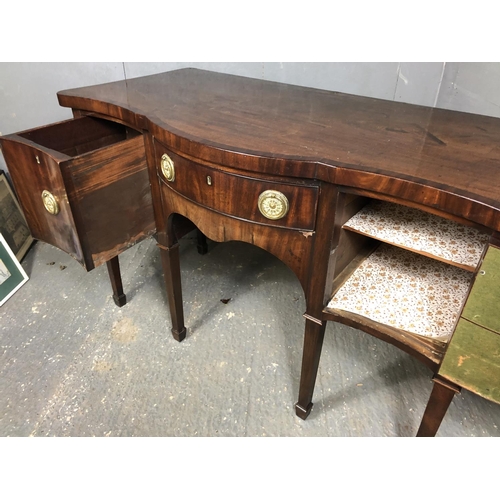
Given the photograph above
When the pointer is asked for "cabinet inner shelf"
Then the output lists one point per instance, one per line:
(405, 290)
(420, 232)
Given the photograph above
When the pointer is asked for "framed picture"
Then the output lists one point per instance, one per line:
(12, 275)
(13, 225)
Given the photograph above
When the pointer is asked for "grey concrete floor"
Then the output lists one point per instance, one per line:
(74, 364)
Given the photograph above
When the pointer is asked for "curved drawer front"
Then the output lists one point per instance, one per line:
(254, 199)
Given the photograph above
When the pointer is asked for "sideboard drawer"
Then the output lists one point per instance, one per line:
(83, 185)
(264, 201)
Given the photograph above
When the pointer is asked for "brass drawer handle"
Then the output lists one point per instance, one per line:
(273, 204)
(50, 203)
(167, 168)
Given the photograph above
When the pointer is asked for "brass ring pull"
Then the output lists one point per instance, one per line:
(273, 204)
(167, 168)
(50, 203)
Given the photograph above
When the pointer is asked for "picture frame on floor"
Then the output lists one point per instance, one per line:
(12, 275)
(13, 224)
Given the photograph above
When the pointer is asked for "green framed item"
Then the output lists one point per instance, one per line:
(12, 275)
(13, 224)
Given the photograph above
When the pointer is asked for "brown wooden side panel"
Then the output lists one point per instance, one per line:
(350, 244)
(111, 192)
(237, 195)
(117, 216)
(30, 178)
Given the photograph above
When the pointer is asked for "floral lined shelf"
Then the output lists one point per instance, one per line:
(420, 232)
(406, 291)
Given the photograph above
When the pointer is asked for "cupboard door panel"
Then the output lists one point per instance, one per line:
(472, 360)
(482, 307)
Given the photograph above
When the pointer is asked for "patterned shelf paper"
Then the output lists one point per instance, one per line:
(406, 291)
(420, 232)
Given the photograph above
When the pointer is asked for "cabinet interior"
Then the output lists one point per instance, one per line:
(403, 267)
(80, 136)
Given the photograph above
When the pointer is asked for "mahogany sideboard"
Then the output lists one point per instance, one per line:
(388, 213)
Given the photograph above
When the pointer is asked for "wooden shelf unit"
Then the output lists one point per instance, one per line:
(415, 273)
(420, 232)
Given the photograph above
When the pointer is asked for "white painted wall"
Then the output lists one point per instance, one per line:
(28, 90)
(472, 87)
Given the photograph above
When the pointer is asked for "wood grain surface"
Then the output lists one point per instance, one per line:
(439, 157)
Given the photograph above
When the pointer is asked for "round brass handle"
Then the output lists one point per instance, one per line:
(50, 202)
(167, 168)
(273, 204)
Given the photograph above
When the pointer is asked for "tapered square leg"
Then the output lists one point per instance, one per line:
(313, 342)
(172, 274)
(439, 401)
(116, 281)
